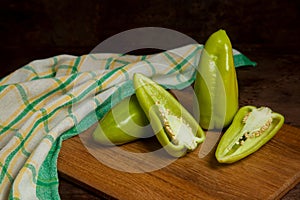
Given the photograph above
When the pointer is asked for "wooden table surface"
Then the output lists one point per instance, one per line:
(266, 31)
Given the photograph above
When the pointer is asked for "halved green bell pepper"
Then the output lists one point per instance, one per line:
(124, 123)
(216, 84)
(175, 128)
(251, 128)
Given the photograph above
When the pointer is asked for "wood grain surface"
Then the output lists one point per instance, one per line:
(267, 174)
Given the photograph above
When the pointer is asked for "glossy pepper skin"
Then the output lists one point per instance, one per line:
(251, 128)
(175, 128)
(124, 123)
(216, 84)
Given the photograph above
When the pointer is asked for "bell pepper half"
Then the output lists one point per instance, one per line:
(251, 128)
(175, 128)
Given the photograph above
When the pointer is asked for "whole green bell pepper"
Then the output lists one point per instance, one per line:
(251, 128)
(216, 85)
(124, 123)
(175, 128)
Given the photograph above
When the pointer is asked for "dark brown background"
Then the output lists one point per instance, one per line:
(35, 29)
(266, 31)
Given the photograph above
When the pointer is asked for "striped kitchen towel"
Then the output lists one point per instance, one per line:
(50, 100)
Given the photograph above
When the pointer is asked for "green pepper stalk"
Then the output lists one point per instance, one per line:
(175, 128)
(251, 128)
(124, 123)
(216, 85)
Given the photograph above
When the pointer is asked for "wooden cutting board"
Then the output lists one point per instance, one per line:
(268, 174)
(132, 172)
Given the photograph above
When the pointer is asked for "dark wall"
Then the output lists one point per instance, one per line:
(37, 29)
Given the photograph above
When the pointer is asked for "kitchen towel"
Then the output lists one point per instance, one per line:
(53, 99)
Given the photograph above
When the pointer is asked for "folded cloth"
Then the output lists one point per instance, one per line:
(50, 100)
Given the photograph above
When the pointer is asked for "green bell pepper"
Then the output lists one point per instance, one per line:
(251, 128)
(216, 85)
(124, 123)
(175, 128)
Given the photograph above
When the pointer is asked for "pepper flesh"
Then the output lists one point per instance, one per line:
(175, 128)
(251, 128)
(124, 123)
(216, 85)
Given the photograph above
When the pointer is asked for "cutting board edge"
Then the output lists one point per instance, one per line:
(86, 186)
(287, 187)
